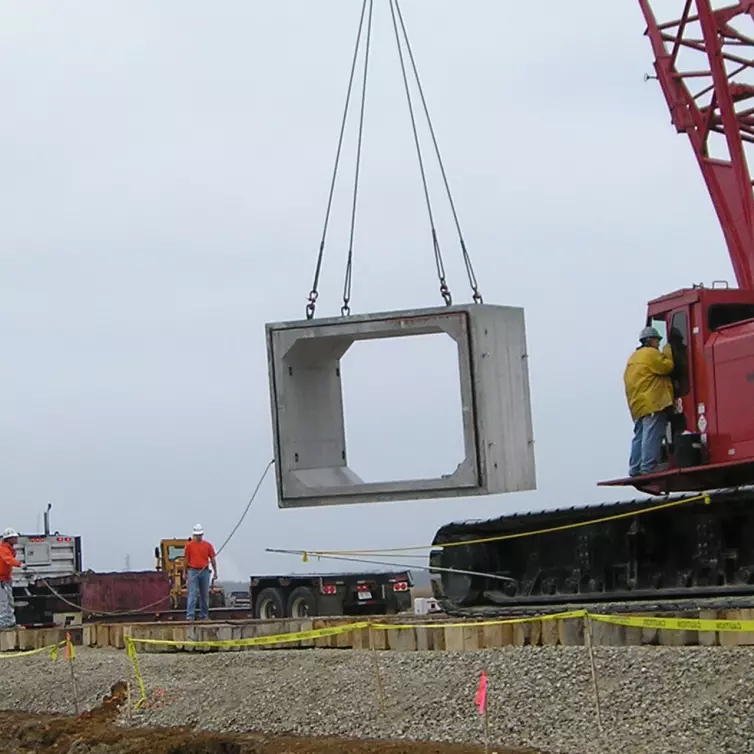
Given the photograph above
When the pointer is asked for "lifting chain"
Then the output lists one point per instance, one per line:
(399, 28)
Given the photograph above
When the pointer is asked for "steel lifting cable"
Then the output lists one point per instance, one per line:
(314, 293)
(440, 265)
(398, 20)
(395, 7)
(143, 608)
(413, 566)
(345, 310)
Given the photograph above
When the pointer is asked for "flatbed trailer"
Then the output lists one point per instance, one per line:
(145, 597)
(330, 594)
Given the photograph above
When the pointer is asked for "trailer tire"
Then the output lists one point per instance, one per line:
(269, 604)
(302, 603)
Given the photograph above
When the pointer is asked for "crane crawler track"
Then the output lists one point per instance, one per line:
(638, 556)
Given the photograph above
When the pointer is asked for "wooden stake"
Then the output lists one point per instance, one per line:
(486, 730)
(73, 674)
(380, 690)
(588, 639)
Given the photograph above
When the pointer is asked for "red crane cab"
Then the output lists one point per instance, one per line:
(710, 439)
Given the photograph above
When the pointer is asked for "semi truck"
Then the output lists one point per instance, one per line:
(49, 555)
(57, 591)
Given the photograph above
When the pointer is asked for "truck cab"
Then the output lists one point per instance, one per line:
(48, 556)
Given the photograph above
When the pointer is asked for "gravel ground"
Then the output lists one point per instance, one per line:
(689, 700)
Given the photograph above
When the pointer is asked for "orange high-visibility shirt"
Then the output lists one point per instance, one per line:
(197, 554)
(7, 562)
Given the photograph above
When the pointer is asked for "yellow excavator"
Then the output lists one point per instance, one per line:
(169, 559)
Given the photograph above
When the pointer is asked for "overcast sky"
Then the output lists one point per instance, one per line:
(164, 168)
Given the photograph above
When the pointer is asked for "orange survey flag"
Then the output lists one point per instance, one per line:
(69, 653)
(481, 694)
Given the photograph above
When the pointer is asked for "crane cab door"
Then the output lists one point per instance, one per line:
(675, 328)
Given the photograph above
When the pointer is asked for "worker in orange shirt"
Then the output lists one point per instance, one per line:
(197, 557)
(8, 562)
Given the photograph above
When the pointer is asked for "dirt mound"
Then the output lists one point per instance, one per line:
(95, 732)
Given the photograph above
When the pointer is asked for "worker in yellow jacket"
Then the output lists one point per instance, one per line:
(649, 392)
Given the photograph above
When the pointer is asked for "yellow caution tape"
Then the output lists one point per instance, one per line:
(259, 640)
(51, 648)
(685, 624)
(131, 651)
(682, 624)
(478, 623)
(254, 642)
(675, 624)
(671, 624)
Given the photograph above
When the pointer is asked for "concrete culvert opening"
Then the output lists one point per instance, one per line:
(402, 408)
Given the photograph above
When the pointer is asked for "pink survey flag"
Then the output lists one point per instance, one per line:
(481, 694)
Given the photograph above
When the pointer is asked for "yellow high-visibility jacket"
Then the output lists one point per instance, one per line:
(647, 380)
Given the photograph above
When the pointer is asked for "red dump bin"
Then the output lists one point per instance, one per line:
(98, 593)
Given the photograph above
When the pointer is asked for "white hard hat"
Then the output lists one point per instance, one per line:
(198, 529)
(649, 332)
(9, 533)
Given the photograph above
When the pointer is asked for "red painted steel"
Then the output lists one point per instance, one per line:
(726, 55)
(116, 592)
(710, 102)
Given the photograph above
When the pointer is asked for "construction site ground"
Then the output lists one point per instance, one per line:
(97, 733)
(653, 699)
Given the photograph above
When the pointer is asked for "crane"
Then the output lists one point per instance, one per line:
(678, 542)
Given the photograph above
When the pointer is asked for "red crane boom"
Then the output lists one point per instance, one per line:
(712, 110)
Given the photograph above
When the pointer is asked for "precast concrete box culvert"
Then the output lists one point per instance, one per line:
(311, 458)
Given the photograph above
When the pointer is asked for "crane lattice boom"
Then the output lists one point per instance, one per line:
(719, 104)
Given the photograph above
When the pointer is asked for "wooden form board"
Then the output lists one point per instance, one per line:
(447, 636)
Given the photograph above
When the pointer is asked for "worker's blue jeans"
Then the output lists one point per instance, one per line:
(647, 443)
(198, 589)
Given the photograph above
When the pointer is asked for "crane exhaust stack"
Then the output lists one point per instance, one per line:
(307, 405)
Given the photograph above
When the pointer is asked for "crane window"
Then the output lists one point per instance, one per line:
(720, 315)
(175, 552)
(659, 324)
(679, 329)
(678, 337)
